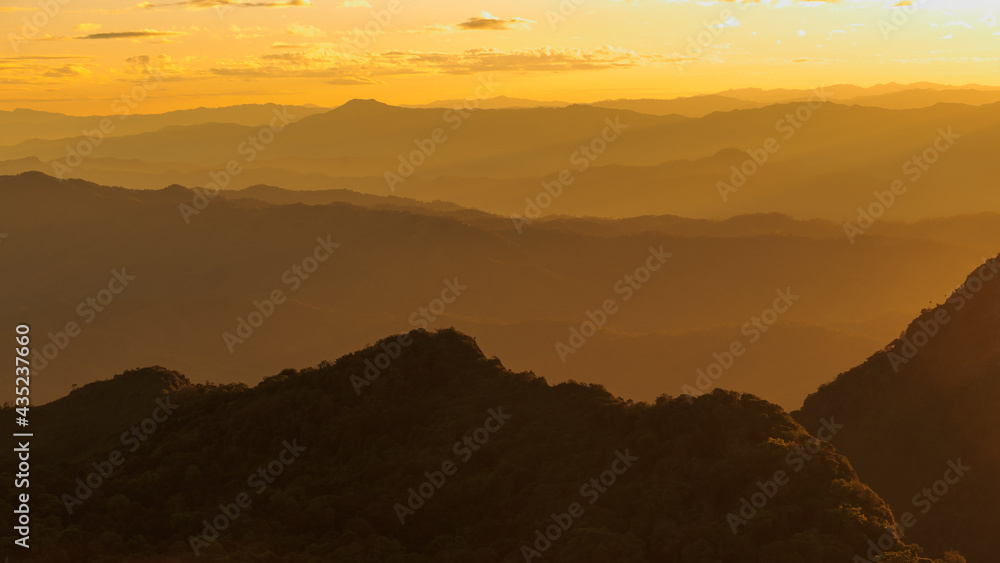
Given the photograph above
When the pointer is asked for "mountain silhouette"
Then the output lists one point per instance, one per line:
(24, 124)
(498, 457)
(924, 402)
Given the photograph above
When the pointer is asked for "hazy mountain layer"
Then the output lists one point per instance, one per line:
(803, 306)
(808, 159)
(23, 124)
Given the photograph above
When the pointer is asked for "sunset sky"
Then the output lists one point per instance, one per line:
(223, 52)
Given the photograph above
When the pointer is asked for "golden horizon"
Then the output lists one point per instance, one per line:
(215, 53)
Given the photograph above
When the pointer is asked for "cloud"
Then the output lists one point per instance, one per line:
(130, 34)
(237, 32)
(22, 70)
(204, 4)
(525, 60)
(304, 30)
(433, 28)
(487, 22)
(354, 4)
(283, 45)
(353, 81)
(87, 27)
(162, 66)
(45, 57)
(325, 61)
(66, 71)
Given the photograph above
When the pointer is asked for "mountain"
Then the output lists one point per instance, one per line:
(497, 102)
(488, 465)
(694, 106)
(279, 196)
(888, 96)
(22, 124)
(844, 92)
(202, 272)
(923, 406)
(500, 160)
(919, 98)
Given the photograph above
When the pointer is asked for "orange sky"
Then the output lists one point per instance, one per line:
(87, 53)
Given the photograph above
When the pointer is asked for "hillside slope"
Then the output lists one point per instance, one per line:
(924, 402)
(327, 462)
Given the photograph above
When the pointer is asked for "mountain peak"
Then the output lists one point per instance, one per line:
(358, 105)
(140, 382)
(447, 345)
(174, 189)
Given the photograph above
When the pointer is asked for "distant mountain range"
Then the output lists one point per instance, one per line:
(24, 124)
(825, 161)
(525, 291)
(658, 251)
(888, 96)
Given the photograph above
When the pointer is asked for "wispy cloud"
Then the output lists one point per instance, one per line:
(323, 61)
(45, 57)
(130, 34)
(204, 4)
(304, 30)
(487, 22)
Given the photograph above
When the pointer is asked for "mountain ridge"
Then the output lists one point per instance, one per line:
(340, 498)
(925, 400)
